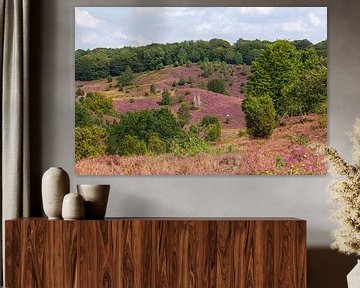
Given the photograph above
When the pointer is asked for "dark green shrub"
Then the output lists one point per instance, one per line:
(207, 120)
(184, 113)
(156, 145)
(212, 127)
(126, 77)
(152, 89)
(82, 116)
(213, 132)
(260, 116)
(79, 92)
(142, 124)
(181, 81)
(217, 85)
(165, 98)
(120, 87)
(131, 145)
(174, 84)
(90, 142)
(109, 79)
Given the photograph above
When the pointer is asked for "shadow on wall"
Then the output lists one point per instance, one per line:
(328, 268)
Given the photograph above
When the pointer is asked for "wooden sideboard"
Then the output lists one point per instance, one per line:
(156, 252)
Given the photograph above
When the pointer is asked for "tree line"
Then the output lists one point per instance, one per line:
(104, 62)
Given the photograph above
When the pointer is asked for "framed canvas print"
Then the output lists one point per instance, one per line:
(200, 90)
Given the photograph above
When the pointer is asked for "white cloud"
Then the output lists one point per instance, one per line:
(177, 12)
(84, 19)
(293, 26)
(315, 20)
(203, 28)
(186, 12)
(255, 10)
(137, 40)
(90, 38)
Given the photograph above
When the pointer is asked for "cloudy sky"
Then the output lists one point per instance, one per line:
(137, 26)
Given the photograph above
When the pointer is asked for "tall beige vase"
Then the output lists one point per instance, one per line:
(55, 185)
(96, 198)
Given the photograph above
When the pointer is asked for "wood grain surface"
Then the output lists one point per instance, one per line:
(156, 253)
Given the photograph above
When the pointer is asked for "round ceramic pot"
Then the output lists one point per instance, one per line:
(55, 185)
(73, 207)
(96, 198)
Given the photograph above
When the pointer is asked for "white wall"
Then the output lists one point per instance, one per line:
(304, 197)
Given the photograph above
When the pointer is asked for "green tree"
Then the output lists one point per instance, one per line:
(90, 142)
(309, 88)
(82, 116)
(260, 116)
(302, 44)
(275, 68)
(94, 65)
(125, 77)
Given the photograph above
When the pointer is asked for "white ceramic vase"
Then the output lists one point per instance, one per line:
(55, 185)
(353, 278)
(73, 207)
(96, 198)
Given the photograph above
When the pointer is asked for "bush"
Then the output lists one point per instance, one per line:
(188, 143)
(212, 127)
(79, 92)
(82, 116)
(217, 85)
(165, 98)
(98, 103)
(109, 79)
(207, 120)
(260, 116)
(142, 124)
(90, 142)
(152, 89)
(184, 113)
(131, 145)
(213, 132)
(174, 84)
(181, 81)
(120, 87)
(156, 145)
(126, 77)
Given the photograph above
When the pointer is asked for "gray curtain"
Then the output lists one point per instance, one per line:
(14, 39)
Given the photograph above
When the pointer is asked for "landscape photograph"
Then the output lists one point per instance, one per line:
(200, 90)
